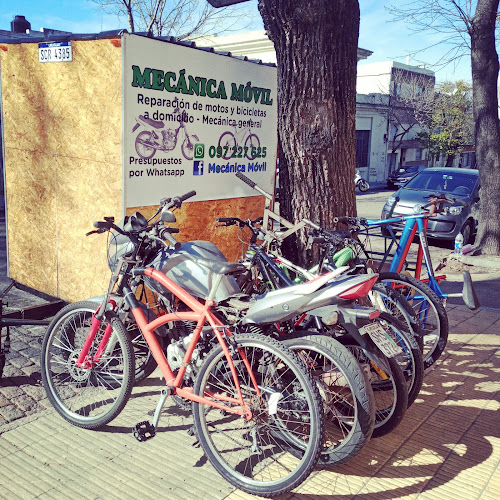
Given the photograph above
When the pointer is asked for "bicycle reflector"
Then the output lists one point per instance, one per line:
(359, 290)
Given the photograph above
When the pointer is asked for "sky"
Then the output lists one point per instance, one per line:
(387, 40)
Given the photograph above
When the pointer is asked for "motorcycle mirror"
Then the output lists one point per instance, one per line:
(167, 216)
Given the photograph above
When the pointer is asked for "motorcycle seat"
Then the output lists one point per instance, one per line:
(150, 122)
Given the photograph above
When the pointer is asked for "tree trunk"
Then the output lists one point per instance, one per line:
(485, 68)
(316, 49)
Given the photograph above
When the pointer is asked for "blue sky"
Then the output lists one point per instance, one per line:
(387, 40)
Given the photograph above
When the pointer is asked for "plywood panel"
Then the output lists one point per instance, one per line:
(62, 136)
(196, 221)
(31, 219)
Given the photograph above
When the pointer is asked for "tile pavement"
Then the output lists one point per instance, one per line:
(447, 447)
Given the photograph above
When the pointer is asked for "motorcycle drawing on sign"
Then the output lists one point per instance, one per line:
(230, 142)
(156, 138)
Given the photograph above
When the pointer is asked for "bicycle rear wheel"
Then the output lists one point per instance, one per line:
(254, 455)
(347, 395)
(429, 309)
(389, 390)
(410, 360)
(93, 395)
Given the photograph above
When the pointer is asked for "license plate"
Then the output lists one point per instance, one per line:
(55, 52)
(381, 339)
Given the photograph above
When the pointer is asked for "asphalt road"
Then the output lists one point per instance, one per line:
(486, 280)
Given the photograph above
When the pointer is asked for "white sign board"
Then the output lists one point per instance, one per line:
(192, 119)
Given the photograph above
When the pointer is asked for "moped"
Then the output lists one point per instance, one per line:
(361, 183)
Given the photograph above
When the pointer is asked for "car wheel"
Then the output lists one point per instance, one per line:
(391, 185)
(467, 233)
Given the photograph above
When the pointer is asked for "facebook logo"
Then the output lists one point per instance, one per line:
(198, 168)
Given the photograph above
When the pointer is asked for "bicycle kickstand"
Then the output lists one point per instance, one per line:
(145, 430)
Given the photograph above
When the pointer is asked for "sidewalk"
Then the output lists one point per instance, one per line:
(447, 447)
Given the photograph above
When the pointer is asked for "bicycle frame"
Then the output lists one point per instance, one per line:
(414, 224)
(199, 313)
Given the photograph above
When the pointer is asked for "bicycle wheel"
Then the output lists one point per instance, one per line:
(92, 396)
(227, 140)
(389, 390)
(410, 360)
(389, 300)
(252, 143)
(254, 455)
(347, 395)
(429, 309)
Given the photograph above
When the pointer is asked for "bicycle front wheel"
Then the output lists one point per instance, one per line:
(93, 394)
(429, 310)
(275, 450)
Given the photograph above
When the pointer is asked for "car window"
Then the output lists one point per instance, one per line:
(454, 183)
(411, 169)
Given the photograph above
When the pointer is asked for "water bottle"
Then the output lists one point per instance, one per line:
(459, 241)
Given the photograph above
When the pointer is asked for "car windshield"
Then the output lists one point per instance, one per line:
(460, 184)
(411, 170)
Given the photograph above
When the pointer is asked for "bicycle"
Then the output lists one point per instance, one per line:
(229, 143)
(391, 399)
(425, 296)
(255, 407)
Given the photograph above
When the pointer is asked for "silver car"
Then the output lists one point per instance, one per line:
(455, 182)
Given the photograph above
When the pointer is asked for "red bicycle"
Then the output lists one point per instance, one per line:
(257, 412)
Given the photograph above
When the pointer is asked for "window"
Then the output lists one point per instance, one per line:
(418, 155)
(362, 148)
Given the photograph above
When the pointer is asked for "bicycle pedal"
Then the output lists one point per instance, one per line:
(190, 431)
(144, 431)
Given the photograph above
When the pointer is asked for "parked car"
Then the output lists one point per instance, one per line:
(456, 182)
(403, 175)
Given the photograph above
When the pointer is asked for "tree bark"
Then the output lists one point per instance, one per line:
(485, 67)
(316, 49)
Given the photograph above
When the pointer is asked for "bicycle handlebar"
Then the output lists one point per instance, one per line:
(231, 221)
(351, 221)
(246, 180)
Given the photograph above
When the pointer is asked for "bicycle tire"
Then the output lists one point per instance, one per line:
(347, 396)
(429, 309)
(107, 385)
(228, 140)
(391, 401)
(261, 446)
(410, 360)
